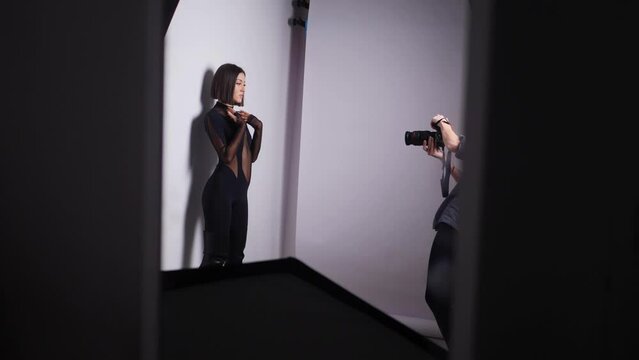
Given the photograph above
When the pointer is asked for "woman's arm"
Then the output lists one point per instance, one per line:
(227, 152)
(257, 125)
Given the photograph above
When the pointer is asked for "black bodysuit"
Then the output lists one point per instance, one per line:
(224, 199)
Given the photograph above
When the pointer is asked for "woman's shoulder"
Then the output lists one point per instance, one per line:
(214, 115)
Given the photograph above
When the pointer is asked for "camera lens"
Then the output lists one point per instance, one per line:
(407, 138)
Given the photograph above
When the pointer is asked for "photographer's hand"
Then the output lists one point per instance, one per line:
(432, 150)
(450, 138)
(437, 119)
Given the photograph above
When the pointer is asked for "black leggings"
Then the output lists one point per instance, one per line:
(225, 217)
(438, 282)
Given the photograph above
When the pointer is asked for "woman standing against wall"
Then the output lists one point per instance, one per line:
(224, 199)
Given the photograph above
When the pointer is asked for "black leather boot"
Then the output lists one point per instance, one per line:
(211, 261)
(213, 256)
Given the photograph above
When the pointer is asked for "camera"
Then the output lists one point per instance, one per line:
(417, 137)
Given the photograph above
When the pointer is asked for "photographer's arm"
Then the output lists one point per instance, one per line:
(451, 140)
(455, 172)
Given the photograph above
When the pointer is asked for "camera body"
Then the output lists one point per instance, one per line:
(417, 137)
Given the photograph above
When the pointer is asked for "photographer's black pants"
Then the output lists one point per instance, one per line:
(438, 283)
(225, 206)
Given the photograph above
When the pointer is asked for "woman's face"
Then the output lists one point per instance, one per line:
(240, 86)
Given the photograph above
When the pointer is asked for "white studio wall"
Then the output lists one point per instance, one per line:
(203, 35)
(373, 70)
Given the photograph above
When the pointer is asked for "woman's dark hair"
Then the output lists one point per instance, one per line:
(224, 83)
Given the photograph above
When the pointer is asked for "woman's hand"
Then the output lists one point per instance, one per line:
(244, 115)
(431, 149)
(236, 117)
(251, 120)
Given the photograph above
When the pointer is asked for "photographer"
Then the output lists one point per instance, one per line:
(438, 282)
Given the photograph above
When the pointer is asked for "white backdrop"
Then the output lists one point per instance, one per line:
(204, 34)
(366, 201)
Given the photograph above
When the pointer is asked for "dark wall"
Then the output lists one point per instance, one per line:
(548, 260)
(81, 179)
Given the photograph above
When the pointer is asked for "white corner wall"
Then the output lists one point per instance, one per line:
(366, 201)
(204, 34)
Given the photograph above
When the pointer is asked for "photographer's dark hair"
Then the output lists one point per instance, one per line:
(224, 83)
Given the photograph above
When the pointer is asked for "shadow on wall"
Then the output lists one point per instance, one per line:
(202, 159)
(297, 53)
